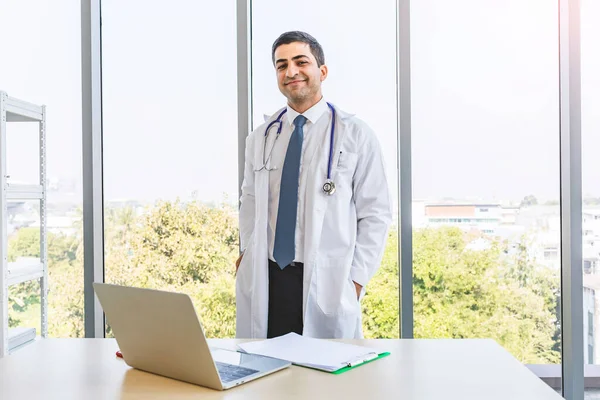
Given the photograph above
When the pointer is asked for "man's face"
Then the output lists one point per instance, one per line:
(298, 76)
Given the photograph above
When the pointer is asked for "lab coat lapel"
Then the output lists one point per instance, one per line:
(339, 131)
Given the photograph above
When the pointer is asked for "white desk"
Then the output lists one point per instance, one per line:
(417, 369)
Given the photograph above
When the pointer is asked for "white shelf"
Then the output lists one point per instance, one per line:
(21, 111)
(20, 337)
(26, 268)
(24, 192)
(19, 272)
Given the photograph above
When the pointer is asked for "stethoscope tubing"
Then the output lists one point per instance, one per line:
(280, 122)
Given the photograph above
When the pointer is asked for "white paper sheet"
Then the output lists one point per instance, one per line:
(315, 353)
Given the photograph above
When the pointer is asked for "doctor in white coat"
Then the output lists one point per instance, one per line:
(309, 249)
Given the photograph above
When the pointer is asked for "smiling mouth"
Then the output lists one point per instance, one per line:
(289, 83)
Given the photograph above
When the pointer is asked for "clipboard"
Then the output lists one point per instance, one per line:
(351, 365)
(319, 354)
(359, 363)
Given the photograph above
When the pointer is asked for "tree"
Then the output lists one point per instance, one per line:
(64, 278)
(528, 201)
(380, 303)
(498, 292)
(189, 248)
(462, 293)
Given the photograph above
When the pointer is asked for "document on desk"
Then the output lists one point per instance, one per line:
(322, 354)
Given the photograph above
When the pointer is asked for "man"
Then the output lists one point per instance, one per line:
(315, 209)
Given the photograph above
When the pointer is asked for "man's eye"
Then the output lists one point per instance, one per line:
(301, 62)
(281, 67)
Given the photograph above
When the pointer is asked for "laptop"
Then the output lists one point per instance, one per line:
(159, 332)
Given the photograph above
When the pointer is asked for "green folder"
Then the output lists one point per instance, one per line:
(349, 367)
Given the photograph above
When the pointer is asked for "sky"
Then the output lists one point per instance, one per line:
(484, 91)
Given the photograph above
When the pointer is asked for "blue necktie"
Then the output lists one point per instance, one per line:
(284, 249)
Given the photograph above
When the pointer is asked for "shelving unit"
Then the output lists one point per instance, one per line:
(25, 269)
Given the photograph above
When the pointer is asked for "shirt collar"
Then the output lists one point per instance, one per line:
(312, 114)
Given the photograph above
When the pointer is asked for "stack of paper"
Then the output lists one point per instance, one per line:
(321, 354)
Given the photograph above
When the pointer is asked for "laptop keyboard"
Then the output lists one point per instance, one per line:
(230, 373)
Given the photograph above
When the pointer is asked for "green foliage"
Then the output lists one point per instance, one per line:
(25, 243)
(21, 298)
(189, 248)
(463, 293)
(215, 302)
(380, 303)
(65, 277)
(179, 243)
(459, 292)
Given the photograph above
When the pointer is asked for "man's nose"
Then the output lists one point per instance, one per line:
(292, 71)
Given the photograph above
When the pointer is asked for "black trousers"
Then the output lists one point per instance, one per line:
(285, 299)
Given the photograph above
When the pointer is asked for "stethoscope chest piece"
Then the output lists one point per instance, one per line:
(329, 188)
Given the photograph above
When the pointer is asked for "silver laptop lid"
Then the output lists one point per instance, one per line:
(159, 332)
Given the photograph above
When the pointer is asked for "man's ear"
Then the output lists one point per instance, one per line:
(324, 71)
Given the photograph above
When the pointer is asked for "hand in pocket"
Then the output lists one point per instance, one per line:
(358, 289)
(237, 262)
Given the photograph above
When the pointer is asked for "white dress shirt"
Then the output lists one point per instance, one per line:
(316, 126)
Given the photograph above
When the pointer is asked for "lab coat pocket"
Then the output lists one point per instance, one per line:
(345, 168)
(347, 160)
(334, 294)
(243, 279)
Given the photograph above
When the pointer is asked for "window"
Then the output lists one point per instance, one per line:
(486, 72)
(170, 151)
(351, 87)
(590, 126)
(41, 64)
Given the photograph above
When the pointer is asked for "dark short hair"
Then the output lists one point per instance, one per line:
(297, 36)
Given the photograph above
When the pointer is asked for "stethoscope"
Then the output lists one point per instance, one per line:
(328, 186)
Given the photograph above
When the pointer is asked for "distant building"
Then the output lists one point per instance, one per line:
(538, 227)
(509, 214)
(591, 318)
(469, 217)
(543, 224)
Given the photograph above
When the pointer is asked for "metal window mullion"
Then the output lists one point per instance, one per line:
(3, 233)
(244, 80)
(43, 226)
(571, 199)
(93, 206)
(405, 248)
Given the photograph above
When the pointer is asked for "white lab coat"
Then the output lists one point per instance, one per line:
(345, 233)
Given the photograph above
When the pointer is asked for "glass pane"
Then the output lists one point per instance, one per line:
(24, 249)
(170, 151)
(23, 155)
(41, 64)
(486, 175)
(357, 84)
(24, 307)
(590, 129)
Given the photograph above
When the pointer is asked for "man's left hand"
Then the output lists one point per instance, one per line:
(358, 289)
